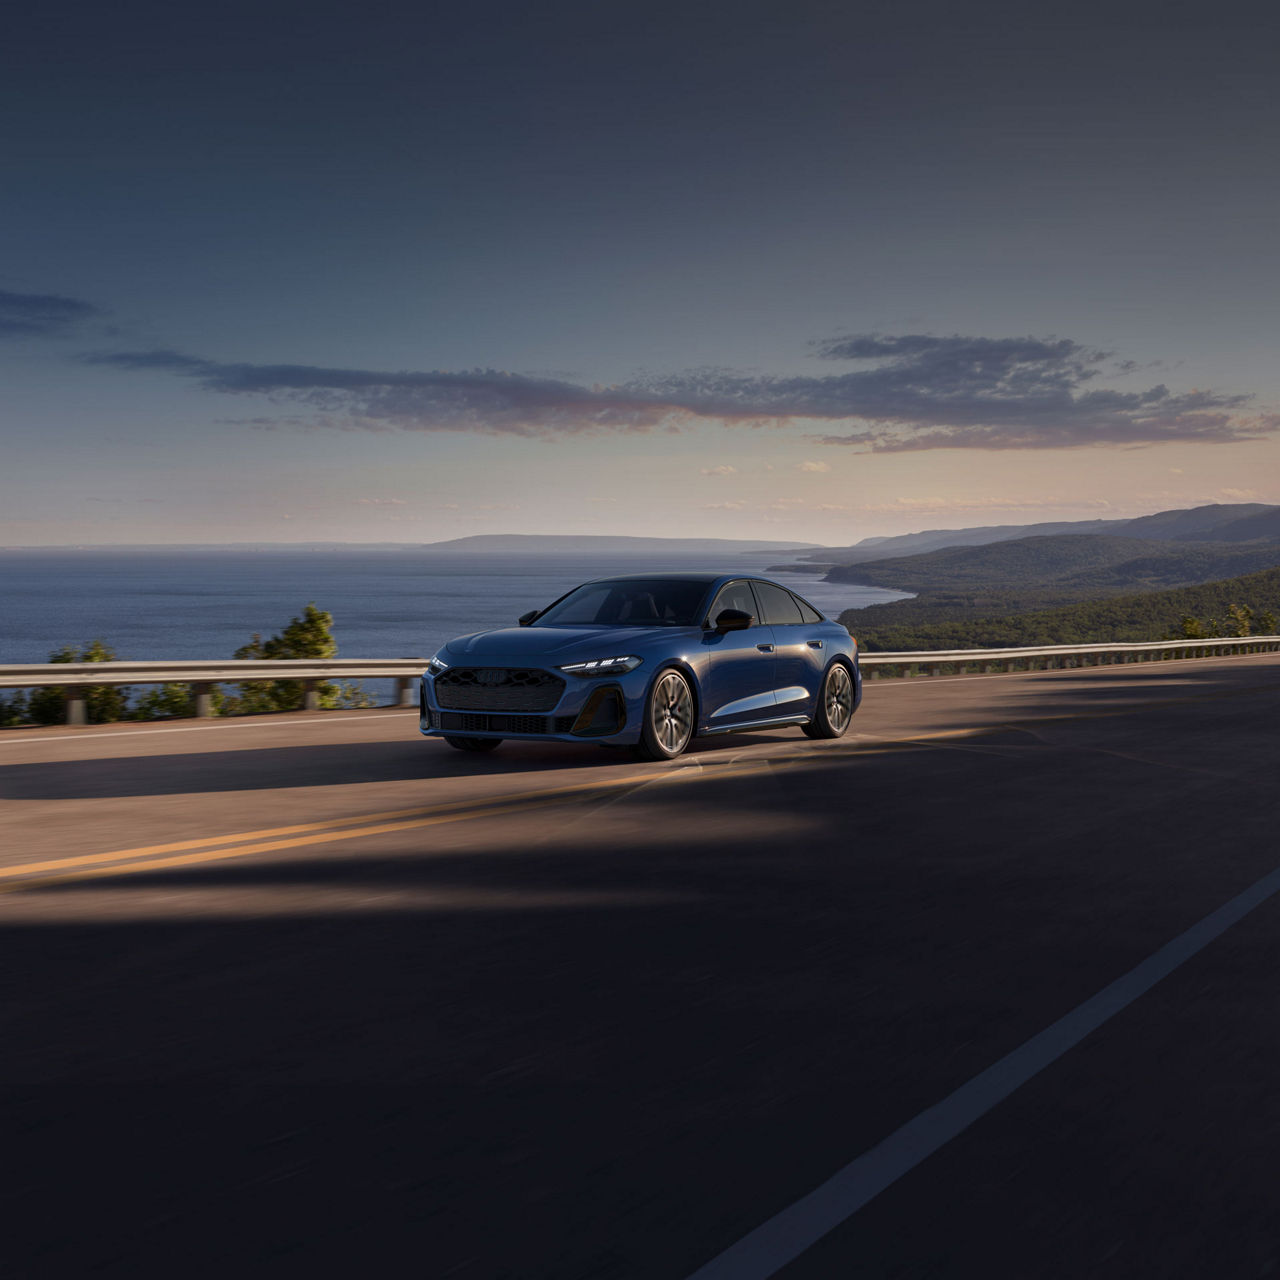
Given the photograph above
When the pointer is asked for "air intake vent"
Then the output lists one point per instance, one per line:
(459, 722)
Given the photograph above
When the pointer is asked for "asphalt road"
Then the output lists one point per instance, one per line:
(311, 994)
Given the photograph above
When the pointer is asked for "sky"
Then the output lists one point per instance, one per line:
(817, 271)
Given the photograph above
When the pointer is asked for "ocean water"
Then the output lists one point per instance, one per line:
(386, 602)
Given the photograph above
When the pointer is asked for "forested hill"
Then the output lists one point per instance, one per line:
(1076, 563)
(1153, 615)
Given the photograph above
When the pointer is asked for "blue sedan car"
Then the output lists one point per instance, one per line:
(647, 660)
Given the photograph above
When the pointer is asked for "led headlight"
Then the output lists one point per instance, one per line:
(436, 666)
(603, 666)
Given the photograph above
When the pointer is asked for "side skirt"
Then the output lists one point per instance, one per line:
(755, 724)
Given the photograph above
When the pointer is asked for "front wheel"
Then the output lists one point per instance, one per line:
(473, 744)
(836, 704)
(668, 718)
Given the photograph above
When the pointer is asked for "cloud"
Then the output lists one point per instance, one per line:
(484, 400)
(724, 470)
(1164, 499)
(783, 506)
(813, 466)
(946, 506)
(381, 502)
(41, 315)
(916, 392)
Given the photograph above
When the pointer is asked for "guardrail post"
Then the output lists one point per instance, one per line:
(311, 695)
(202, 695)
(406, 688)
(77, 710)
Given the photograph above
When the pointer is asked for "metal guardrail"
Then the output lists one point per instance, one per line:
(1052, 657)
(202, 675)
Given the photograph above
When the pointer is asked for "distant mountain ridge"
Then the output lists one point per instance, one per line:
(1084, 562)
(590, 544)
(1069, 587)
(1216, 522)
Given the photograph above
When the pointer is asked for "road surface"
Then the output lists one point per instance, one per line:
(310, 993)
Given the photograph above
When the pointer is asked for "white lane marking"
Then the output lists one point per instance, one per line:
(785, 1236)
(230, 723)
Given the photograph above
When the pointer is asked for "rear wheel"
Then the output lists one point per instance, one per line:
(835, 704)
(473, 744)
(668, 718)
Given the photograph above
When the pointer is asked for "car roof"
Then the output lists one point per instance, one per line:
(706, 578)
(677, 575)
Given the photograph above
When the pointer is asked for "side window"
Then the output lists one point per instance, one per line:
(737, 595)
(777, 607)
(807, 611)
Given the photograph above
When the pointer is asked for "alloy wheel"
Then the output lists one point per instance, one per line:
(672, 713)
(838, 699)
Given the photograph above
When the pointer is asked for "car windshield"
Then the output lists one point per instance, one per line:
(629, 602)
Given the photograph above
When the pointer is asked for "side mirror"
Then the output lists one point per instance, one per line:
(733, 620)
(525, 618)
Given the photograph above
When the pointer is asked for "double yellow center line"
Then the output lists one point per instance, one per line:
(243, 844)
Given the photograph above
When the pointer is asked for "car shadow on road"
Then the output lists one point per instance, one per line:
(325, 765)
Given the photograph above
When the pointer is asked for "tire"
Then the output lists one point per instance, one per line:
(837, 701)
(668, 717)
(473, 744)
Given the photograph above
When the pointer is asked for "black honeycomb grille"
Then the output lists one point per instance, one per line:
(474, 722)
(498, 689)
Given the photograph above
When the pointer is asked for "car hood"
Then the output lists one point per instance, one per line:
(561, 644)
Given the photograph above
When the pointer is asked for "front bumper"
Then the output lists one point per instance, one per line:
(600, 710)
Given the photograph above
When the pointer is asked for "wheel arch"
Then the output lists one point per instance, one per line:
(691, 679)
(855, 674)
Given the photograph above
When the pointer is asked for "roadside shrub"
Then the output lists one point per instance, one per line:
(104, 703)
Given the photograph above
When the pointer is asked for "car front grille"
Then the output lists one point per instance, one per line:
(498, 689)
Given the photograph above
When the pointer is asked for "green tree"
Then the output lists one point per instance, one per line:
(1192, 628)
(13, 710)
(104, 703)
(1241, 619)
(165, 702)
(1267, 623)
(310, 636)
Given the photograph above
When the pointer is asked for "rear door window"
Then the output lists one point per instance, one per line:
(778, 607)
(807, 611)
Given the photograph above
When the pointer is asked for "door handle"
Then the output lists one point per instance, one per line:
(815, 644)
(765, 648)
